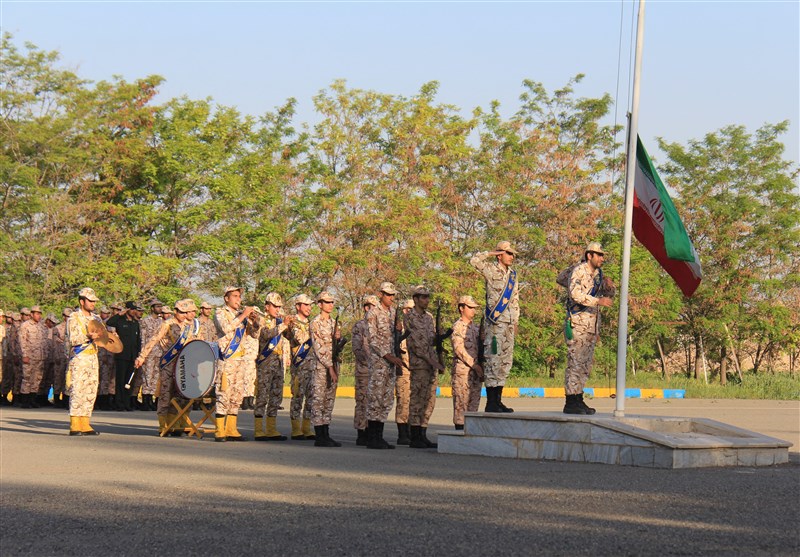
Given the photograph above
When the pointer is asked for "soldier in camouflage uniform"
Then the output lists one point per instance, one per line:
(250, 379)
(380, 389)
(302, 367)
(424, 365)
(60, 361)
(83, 371)
(587, 292)
(272, 345)
(108, 373)
(150, 370)
(47, 380)
(467, 373)
(361, 356)
(24, 316)
(33, 342)
(324, 374)
(232, 327)
(402, 388)
(502, 316)
(208, 331)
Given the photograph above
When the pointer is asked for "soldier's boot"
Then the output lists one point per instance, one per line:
(177, 429)
(573, 406)
(459, 427)
(86, 428)
(307, 435)
(375, 439)
(4, 399)
(430, 444)
(589, 410)
(219, 425)
(385, 444)
(258, 428)
(503, 408)
(230, 429)
(271, 431)
(75, 425)
(24, 401)
(42, 400)
(492, 400)
(361, 439)
(65, 402)
(297, 430)
(416, 438)
(319, 437)
(403, 434)
(334, 442)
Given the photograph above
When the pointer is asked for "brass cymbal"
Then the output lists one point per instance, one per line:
(109, 341)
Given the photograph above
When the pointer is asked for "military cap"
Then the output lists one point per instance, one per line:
(119, 306)
(505, 245)
(275, 299)
(155, 302)
(36, 309)
(372, 300)
(325, 296)
(303, 299)
(229, 289)
(420, 291)
(133, 305)
(595, 247)
(468, 301)
(408, 304)
(16, 316)
(67, 312)
(89, 294)
(53, 319)
(104, 309)
(25, 311)
(387, 288)
(206, 305)
(185, 306)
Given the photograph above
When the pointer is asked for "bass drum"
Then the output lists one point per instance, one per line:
(195, 369)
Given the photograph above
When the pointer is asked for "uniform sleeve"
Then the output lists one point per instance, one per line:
(514, 305)
(162, 331)
(321, 342)
(459, 343)
(479, 262)
(76, 334)
(580, 284)
(359, 352)
(374, 340)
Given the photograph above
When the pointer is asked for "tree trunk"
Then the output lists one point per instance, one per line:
(697, 359)
(664, 372)
(723, 365)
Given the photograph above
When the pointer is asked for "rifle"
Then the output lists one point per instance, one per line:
(336, 347)
(397, 339)
(481, 346)
(440, 337)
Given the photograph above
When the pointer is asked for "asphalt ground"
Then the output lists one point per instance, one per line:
(130, 492)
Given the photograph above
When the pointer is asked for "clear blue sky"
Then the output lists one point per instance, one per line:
(706, 64)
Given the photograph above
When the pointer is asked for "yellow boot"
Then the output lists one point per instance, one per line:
(219, 423)
(177, 429)
(307, 430)
(297, 430)
(259, 428)
(230, 429)
(75, 425)
(162, 425)
(85, 427)
(272, 433)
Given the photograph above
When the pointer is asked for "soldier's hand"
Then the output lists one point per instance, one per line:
(333, 374)
(605, 302)
(478, 369)
(247, 311)
(138, 362)
(607, 284)
(392, 359)
(93, 335)
(26, 360)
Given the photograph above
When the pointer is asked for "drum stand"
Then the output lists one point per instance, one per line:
(206, 405)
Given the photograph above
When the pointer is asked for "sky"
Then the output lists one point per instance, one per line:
(706, 65)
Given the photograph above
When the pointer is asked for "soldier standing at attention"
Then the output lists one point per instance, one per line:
(272, 345)
(380, 389)
(60, 361)
(33, 342)
(361, 356)
(587, 292)
(467, 373)
(424, 366)
(47, 380)
(502, 316)
(83, 373)
(302, 366)
(3, 399)
(324, 375)
(208, 331)
(149, 372)
(402, 388)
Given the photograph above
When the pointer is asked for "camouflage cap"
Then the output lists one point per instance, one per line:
(133, 305)
(372, 300)
(16, 316)
(275, 299)
(468, 301)
(229, 289)
(104, 309)
(155, 302)
(52, 319)
(25, 311)
(387, 288)
(420, 290)
(505, 245)
(185, 306)
(119, 306)
(595, 247)
(67, 312)
(206, 305)
(325, 296)
(89, 294)
(36, 309)
(408, 304)
(303, 299)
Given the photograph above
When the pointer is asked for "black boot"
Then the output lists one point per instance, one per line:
(384, 442)
(588, 409)
(573, 406)
(372, 435)
(4, 399)
(416, 438)
(32, 400)
(503, 408)
(402, 434)
(491, 400)
(361, 440)
(332, 441)
(65, 402)
(459, 427)
(319, 437)
(428, 443)
(25, 401)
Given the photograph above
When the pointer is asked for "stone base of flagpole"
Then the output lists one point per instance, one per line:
(646, 441)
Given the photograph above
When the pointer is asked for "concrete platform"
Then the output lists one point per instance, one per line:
(646, 441)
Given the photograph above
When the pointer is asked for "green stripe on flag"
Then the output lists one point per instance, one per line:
(676, 240)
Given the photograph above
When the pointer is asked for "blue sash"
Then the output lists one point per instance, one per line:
(271, 345)
(302, 352)
(78, 349)
(173, 351)
(492, 315)
(233, 346)
(574, 307)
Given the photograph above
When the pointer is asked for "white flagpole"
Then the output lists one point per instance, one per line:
(630, 173)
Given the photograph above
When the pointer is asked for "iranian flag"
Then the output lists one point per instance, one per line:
(658, 227)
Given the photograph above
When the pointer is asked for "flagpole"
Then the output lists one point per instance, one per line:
(630, 173)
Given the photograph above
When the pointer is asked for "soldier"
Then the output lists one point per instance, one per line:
(23, 316)
(232, 326)
(272, 344)
(83, 371)
(361, 356)
(250, 355)
(402, 388)
(502, 316)
(12, 358)
(172, 336)
(301, 368)
(324, 372)
(208, 331)
(129, 331)
(33, 337)
(117, 308)
(3, 399)
(59, 334)
(467, 373)
(107, 387)
(424, 366)
(380, 389)
(149, 374)
(47, 380)
(587, 292)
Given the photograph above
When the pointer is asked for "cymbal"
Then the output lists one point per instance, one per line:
(107, 340)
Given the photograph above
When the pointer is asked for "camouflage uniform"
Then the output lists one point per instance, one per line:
(250, 355)
(498, 365)
(208, 331)
(402, 387)
(585, 326)
(323, 394)
(83, 370)
(149, 375)
(233, 367)
(380, 389)
(269, 395)
(361, 356)
(2, 344)
(12, 359)
(108, 381)
(58, 333)
(465, 380)
(34, 345)
(301, 374)
(423, 362)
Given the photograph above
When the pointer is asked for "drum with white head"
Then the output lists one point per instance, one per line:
(195, 368)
